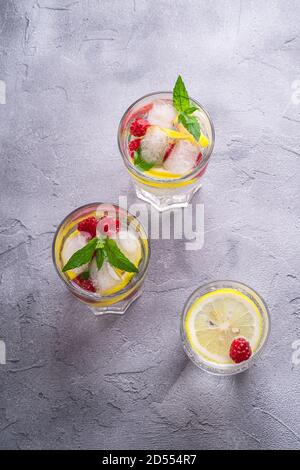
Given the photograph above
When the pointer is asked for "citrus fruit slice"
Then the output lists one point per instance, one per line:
(159, 172)
(218, 317)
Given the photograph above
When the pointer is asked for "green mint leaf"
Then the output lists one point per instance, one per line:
(84, 276)
(191, 110)
(82, 256)
(116, 258)
(140, 163)
(191, 124)
(99, 257)
(181, 99)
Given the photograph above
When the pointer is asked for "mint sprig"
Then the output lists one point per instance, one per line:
(139, 162)
(103, 248)
(182, 104)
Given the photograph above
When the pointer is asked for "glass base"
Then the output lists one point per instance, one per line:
(118, 308)
(166, 202)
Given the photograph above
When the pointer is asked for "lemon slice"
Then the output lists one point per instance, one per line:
(162, 173)
(126, 278)
(203, 141)
(177, 135)
(218, 317)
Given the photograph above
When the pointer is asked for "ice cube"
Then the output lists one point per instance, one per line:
(154, 145)
(130, 245)
(73, 244)
(104, 279)
(162, 114)
(183, 158)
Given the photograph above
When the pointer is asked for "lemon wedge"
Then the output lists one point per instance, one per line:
(218, 317)
(176, 134)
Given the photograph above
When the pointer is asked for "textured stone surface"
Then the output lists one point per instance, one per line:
(71, 68)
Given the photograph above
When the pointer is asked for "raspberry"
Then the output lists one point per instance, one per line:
(168, 151)
(240, 350)
(88, 225)
(199, 158)
(139, 127)
(133, 146)
(109, 226)
(85, 284)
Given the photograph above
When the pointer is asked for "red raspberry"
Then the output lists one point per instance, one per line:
(139, 127)
(168, 151)
(88, 225)
(133, 146)
(85, 284)
(199, 158)
(240, 350)
(109, 226)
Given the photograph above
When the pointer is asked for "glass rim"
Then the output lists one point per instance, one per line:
(186, 177)
(93, 296)
(224, 369)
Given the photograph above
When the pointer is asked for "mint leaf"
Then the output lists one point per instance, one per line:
(191, 110)
(116, 258)
(84, 276)
(140, 163)
(181, 99)
(191, 124)
(82, 256)
(99, 258)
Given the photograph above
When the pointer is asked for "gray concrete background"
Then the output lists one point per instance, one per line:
(71, 68)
